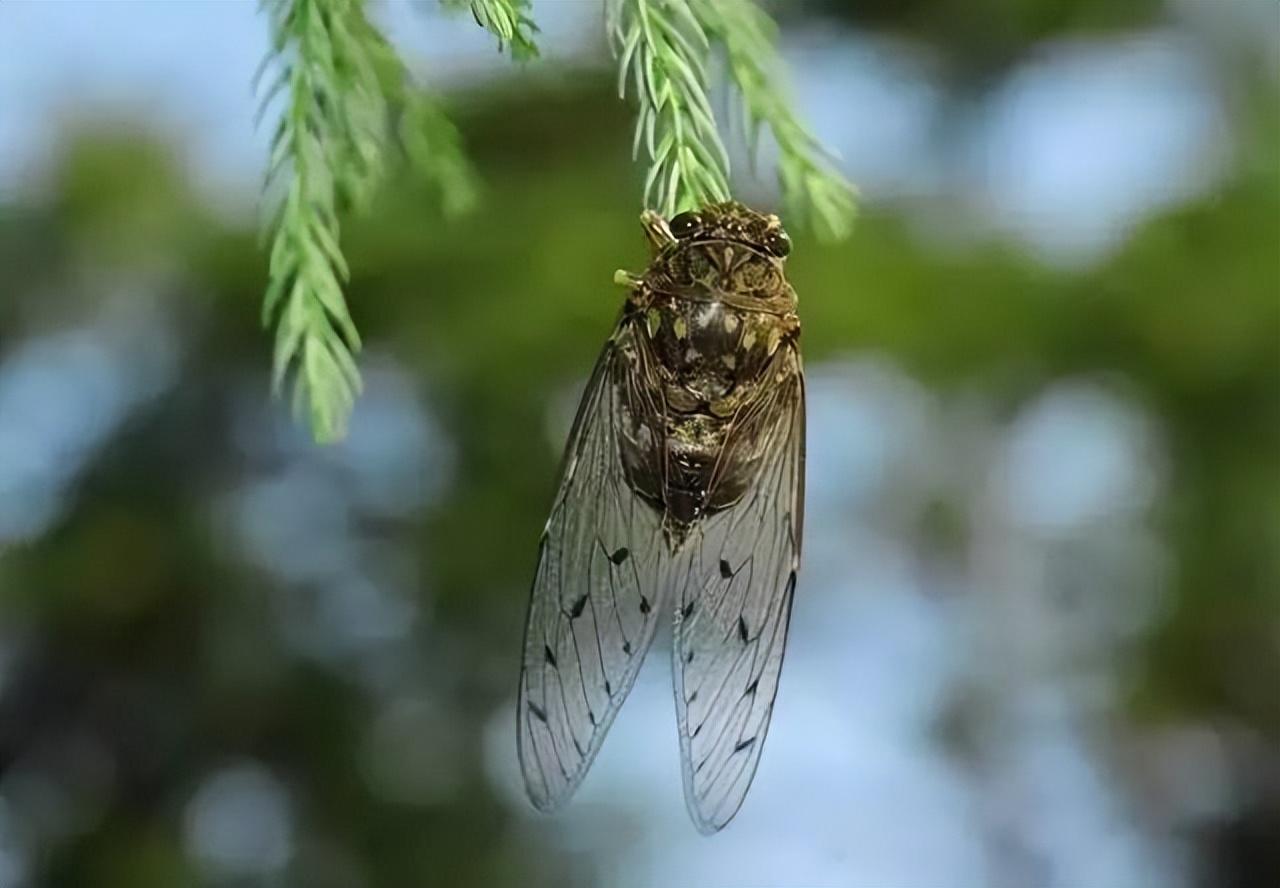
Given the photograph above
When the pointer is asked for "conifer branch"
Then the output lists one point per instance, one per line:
(508, 20)
(662, 50)
(662, 47)
(812, 189)
(347, 99)
(340, 81)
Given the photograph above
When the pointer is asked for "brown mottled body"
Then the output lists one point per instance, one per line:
(682, 496)
(713, 308)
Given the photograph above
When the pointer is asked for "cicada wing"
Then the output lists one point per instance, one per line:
(733, 602)
(596, 598)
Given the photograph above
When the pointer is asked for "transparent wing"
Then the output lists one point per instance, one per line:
(734, 602)
(596, 597)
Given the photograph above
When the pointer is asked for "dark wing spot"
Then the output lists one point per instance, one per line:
(578, 746)
(578, 606)
(745, 744)
(620, 555)
(626, 647)
(692, 697)
(751, 688)
(688, 658)
(742, 629)
(687, 611)
(538, 713)
(644, 605)
(725, 570)
(608, 688)
(696, 731)
(551, 658)
(591, 717)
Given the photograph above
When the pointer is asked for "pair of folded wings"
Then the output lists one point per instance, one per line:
(606, 575)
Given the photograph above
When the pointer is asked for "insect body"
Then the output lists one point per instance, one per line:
(681, 492)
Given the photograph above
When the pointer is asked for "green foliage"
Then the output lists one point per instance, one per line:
(349, 99)
(663, 50)
(326, 147)
(814, 192)
(433, 146)
(663, 47)
(329, 154)
(508, 20)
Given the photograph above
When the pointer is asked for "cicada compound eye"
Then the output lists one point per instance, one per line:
(777, 242)
(685, 224)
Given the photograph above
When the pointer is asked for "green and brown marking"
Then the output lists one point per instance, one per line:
(682, 495)
(710, 329)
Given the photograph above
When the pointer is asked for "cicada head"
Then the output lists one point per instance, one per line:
(734, 223)
(723, 248)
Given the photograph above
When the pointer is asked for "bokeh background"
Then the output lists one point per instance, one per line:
(1037, 637)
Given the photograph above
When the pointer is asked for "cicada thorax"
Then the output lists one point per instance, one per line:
(713, 315)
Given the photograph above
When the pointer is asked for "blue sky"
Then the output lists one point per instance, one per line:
(1077, 145)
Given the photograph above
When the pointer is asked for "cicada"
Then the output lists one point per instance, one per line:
(681, 497)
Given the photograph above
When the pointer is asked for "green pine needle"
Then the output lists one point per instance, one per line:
(813, 190)
(326, 152)
(508, 20)
(348, 99)
(663, 48)
(329, 154)
(433, 146)
(663, 51)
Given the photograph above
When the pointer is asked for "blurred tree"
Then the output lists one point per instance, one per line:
(144, 647)
(979, 39)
